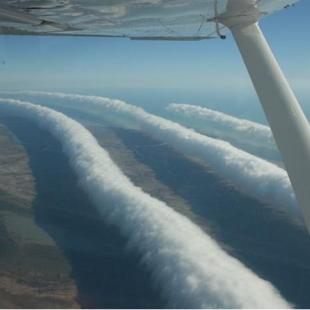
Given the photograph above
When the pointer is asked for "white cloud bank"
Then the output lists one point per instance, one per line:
(255, 176)
(246, 128)
(191, 268)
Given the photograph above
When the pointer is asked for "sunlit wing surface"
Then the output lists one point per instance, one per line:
(137, 19)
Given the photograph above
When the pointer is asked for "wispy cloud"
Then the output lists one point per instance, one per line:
(190, 267)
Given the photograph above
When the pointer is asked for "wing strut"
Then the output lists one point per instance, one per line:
(288, 123)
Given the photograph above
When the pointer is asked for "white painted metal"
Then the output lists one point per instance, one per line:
(288, 123)
(161, 19)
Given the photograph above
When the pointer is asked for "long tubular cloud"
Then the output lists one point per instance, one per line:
(190, 267)
(257, 177)
(246, 128)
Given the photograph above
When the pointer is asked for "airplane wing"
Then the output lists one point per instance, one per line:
(136, 19)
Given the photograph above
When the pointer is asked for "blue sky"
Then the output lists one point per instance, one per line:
(120, 66)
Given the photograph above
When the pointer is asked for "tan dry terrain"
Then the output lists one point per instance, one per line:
(33, 271)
